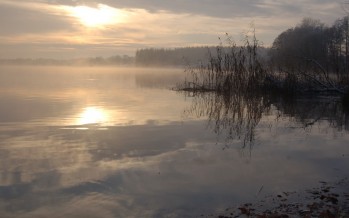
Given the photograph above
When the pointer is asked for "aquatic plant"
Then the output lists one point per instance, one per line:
(230, 69)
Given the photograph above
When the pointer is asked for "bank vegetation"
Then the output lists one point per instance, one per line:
(308, 58)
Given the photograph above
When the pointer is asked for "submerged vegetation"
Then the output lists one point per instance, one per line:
(326, 200)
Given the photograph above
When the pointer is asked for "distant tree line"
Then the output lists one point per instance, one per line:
(182, 56)
(172, 57)
(113, 60)
(117, 60)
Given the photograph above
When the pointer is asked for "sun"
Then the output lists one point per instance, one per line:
(99, 16)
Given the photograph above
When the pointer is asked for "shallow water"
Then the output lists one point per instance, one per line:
(118, 142)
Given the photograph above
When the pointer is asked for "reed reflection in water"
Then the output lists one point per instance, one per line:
(236, 116)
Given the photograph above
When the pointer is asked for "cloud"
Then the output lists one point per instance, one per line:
(28, 18)
(225, 8)
(43, 24)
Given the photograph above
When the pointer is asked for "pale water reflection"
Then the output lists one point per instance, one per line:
(94, 115)
(104, 142)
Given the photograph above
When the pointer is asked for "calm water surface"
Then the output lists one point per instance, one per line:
(118, 142)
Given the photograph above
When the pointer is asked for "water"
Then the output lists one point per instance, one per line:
(118, 142)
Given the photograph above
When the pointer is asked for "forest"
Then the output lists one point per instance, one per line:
(171, 57)
(315, 51)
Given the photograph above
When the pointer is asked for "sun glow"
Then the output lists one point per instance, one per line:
(102, 15)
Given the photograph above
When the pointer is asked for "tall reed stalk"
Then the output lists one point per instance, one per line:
(232, 69)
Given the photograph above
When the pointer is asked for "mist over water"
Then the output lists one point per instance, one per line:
(118, 142)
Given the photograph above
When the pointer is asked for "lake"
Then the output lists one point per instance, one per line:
(119, 142)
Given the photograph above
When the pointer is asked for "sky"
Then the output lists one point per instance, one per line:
(64, 29)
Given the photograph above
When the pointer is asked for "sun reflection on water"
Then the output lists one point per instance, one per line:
(93, 115)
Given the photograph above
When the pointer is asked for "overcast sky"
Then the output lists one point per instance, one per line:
(84, 28)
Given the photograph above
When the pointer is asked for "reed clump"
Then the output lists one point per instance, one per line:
(240, 69)
(231, 69)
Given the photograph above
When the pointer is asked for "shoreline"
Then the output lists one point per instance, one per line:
(327, 200)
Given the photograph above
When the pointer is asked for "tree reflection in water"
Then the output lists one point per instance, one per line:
(236, 116)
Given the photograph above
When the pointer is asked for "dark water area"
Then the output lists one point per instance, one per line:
(118, 142)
